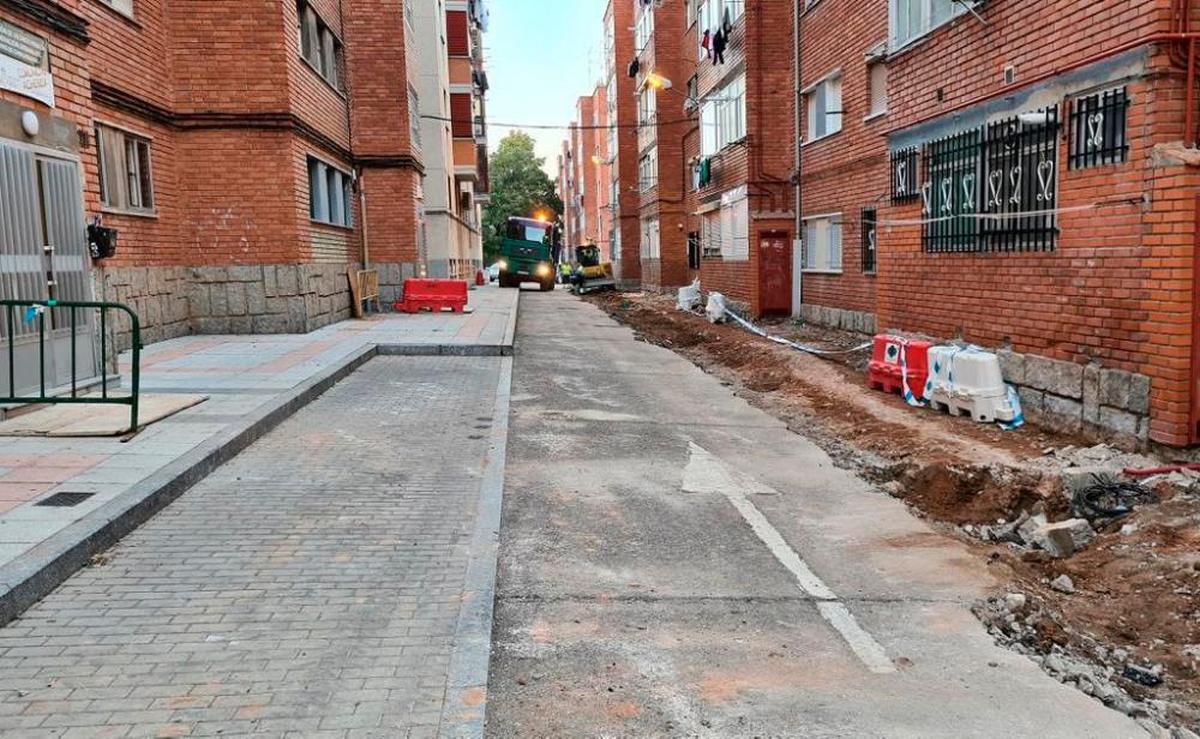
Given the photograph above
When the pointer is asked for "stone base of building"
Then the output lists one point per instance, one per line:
(1071, 397)
(846, 320)
(243, 299)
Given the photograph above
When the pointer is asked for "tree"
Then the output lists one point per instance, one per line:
(519, 188)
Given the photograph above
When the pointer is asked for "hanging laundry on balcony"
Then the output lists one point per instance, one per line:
(718, 46)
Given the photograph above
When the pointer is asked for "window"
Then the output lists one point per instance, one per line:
(414, 115)
(725, 231)
(124, 6)
(869, 239)
(648, 169)
(318, 46)
(1020, 176)
(912, 19)
(723, 116)
(823, 244)
(1098, 129)
(647, 105)
(711, 15)
(877, 98)
(644, 29)
(329, 194)
(824, 106)
(993, 188)
(651, 243)
(126, 179)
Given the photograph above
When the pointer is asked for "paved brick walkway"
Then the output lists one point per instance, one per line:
(241, 376)
(310, 587)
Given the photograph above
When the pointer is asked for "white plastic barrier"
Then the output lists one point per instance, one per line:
(689, 297)
(968, 381)
(715, 308)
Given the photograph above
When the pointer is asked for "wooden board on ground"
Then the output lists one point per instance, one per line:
(96, 420)
(356, 304)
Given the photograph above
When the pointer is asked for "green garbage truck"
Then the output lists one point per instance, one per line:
(529, 251)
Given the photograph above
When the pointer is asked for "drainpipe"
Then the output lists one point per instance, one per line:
(797, 135)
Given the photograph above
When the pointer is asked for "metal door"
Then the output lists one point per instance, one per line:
(775, 272)
(43, 255)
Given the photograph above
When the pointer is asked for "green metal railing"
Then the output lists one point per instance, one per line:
(36, 310)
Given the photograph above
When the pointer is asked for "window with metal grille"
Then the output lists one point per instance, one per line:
(993, 188)
(904, 176)
(950, 192)
(867, 226)
(1019, 188)
(1098, 129)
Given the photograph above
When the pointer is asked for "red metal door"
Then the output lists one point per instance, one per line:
(775, 272)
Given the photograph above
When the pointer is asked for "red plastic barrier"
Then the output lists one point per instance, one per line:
(892, 358)
(434, 295)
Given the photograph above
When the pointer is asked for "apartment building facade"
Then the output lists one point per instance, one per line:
(660, 68)
(622, 146)
(1035, 196)
(453, 85)
(741, 160)
(602, 235)
(243, 193)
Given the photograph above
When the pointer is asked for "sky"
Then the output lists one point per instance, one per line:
(541, 56)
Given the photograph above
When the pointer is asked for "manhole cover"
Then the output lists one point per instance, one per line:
(64, 500)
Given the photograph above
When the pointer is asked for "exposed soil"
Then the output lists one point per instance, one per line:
(1136, 598)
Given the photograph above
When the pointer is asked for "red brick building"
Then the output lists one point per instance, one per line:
(622, 143)
(844, 165)
(603, 232)
(661, 69)
(240, 149)
(742, 158)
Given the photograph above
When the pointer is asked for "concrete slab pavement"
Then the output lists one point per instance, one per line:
(252, 382)
(676, 563)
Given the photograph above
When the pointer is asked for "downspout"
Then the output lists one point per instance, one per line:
(359, 172)
(798, 239)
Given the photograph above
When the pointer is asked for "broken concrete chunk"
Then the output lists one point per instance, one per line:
(1064, 538)
(1014, 601)
(1063, 584)
(1029, 526)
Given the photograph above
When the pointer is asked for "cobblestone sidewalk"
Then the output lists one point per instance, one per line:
(311, 586)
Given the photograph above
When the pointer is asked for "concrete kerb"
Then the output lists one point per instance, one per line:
(464, 709)
(36, 573)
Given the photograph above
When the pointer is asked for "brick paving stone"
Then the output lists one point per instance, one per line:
(312, 585)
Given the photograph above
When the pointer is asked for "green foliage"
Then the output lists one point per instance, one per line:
(519, 188)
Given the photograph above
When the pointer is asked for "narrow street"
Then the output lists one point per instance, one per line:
(675, 563)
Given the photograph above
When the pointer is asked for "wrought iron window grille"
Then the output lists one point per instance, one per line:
(993, 188)
(1098, 129)
(904, 175)
(867, 225)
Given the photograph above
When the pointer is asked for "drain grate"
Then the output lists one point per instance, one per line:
(64, 500)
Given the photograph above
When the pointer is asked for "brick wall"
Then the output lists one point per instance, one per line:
(666, 56)
(628, 267)
(847, 171)
(761, 44)
(1116, 292)
(232, 112)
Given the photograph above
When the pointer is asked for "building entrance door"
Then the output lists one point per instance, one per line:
(775, 272)
(43, 256)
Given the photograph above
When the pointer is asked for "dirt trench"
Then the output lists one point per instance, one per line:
(1128, 632)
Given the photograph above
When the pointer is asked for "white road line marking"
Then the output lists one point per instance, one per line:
(706, 474)
(864, 645)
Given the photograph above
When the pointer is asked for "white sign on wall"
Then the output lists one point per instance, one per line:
(25, 64)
